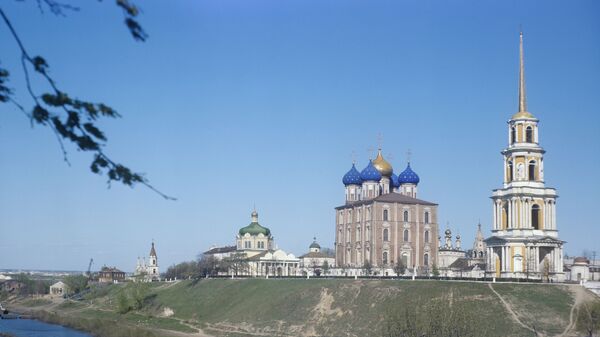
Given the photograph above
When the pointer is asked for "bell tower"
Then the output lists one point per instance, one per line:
(524, 238)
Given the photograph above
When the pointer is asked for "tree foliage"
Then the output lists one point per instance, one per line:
(208, 265)
(399, 267)
(588, 318)
(71, 119)
(183, 270)
(76, 283)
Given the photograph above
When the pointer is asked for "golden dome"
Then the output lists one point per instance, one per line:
(522, 114)
(382, 165)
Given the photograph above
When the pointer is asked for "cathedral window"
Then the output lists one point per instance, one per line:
(426, 217)
(405, 216)
(426, 259)
(385, 215)
(529, 135)
(405, 235)
(348, 235)
(426, 236)
(535, 217)
(247, 244)
(357, 233)
(513, 135)
(385, 257)
(385, 235)
(405, 259)
(532, 170)
(510, 171)
(350, 216)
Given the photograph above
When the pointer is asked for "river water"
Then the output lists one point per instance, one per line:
(33, 328)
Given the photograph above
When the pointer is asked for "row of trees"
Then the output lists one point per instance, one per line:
(208, 265)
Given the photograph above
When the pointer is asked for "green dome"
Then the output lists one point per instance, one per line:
(255, 228)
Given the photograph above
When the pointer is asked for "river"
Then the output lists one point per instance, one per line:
(33, 328)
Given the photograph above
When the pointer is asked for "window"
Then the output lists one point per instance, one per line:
(385, 257)
(385, 215)
(510, 171)
(426, 259)
(405, 259)
(369, 213)
(427, 236)
(348, 235)
(350, 216)
(406, 235)
(247, 244)
(261, 244)
(513, 135)
(357, 233)
(368, 236)
(426, 217)
(535, 217)
(385, 235)
(529, 135)
(405, 216)
(532, 170)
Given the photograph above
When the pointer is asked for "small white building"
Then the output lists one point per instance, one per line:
(148, 272)
(59, 289)
(316, 262)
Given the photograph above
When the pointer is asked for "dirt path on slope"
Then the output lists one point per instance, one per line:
(514, 315)
(579, 293)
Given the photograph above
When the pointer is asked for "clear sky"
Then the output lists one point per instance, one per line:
(235, 103)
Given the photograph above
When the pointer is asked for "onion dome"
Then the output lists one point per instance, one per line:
(254, 228)
(581, 260)
(352, 177)
(395, 181)
(370, 173)
(315, 244)
(382, 165)
(408, 176)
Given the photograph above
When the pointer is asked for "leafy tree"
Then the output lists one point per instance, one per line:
(71, 119)
(123, 305)
(236, 263)
(367, 267)
(399, 267)
(182, 270)
(325, 267)
(588, 318)
(435, 271)
(75, 283)
(209, 265)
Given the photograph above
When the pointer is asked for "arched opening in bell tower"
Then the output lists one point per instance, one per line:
(532, 175)
(535, 217)
(513, 135)
(529, 134)
(510, 171)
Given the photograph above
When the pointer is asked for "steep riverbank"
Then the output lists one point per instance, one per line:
(320, 307)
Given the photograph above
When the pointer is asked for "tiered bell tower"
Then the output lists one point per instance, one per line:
(524, 240)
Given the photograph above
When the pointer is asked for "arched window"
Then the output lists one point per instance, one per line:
(535, 217)
(510, 171)
(513, 135)
(426, 236)
(532, 170)
(529, 135)
(385, 215)
(348, 235)
(385, 257)
(426, 217)
(350, 216)
(385, 234)
(426, 259)
(405, 216)
(405, 259)
(480, 254)
(406, 235)
(357, 233)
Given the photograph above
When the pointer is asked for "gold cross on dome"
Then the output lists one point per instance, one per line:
(379, 140)
(370, 150)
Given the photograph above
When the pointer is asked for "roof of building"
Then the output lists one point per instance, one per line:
(390, 197)
(316, 255)
(370, 173)
(382, 165)
(408, 176)
(106, 269)
(395, 181)
(254, 228)
(352, 177)
(220, 250)
(152, 250)
(581, 259)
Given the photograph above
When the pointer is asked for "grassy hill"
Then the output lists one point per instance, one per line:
(320, 307)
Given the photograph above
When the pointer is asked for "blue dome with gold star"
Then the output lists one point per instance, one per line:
(395, 181)
(352, 177)
(370, 173)
(408, 176)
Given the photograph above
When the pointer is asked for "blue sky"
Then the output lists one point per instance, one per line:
(236, 103)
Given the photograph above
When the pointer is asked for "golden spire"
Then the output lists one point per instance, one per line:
(522, 113)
